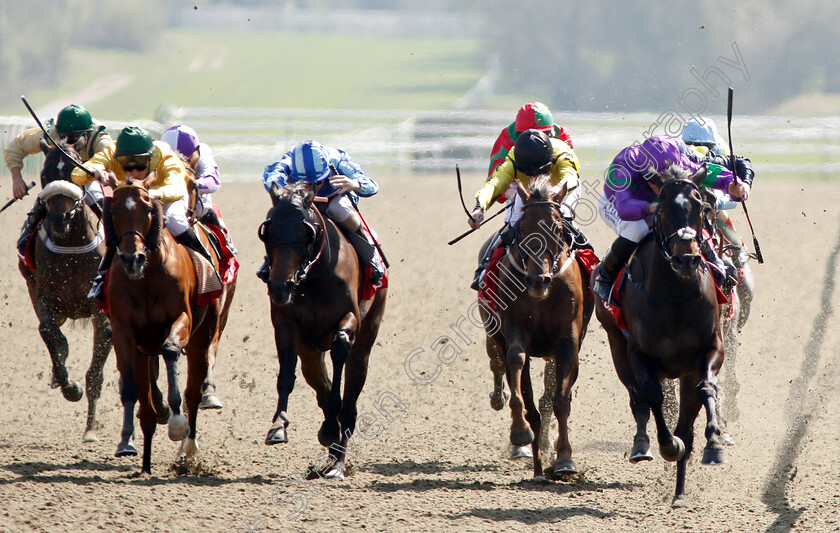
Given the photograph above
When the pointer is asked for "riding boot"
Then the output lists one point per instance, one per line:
(485, 259)
(97, 288)
(265, 270)
(191, 240)
(739, 252)
(725, 273)
(33, 218)
(615, 258)
(376, 266)
(210, 217)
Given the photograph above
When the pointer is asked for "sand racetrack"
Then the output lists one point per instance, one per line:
(440, 462)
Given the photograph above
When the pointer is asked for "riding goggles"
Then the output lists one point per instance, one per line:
(133, 162)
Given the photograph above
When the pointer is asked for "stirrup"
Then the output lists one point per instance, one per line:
(602, 286)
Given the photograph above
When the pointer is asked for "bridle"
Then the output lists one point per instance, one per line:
(309, 256)
(684, 233)
(132, 231)
(556, 267)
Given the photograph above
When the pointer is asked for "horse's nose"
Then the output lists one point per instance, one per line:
(686, 261)
(281, 291)
(538, 282)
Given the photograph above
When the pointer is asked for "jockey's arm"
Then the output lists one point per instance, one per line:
(25, 144)
(277, 174)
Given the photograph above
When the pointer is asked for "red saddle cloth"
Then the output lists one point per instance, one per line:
(28, 258)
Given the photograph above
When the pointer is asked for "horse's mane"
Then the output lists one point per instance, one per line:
(153, 237)
(541, 189)
(53, 161)
(675, 172)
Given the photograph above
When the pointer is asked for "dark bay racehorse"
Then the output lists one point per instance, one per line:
(314, 287)
(673, 329)
(543, 312)
(152, 293)
(66, 253)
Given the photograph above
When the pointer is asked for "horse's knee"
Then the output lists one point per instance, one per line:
(340, 348)
(651, 391)
(128, 390)
(515, 359)
(171, 350)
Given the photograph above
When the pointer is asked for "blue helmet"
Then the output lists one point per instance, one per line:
(696, 133)
(310, 162)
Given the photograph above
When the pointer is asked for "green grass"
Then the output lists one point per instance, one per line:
(262, 69)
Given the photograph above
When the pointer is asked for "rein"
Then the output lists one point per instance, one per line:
(303, 270)
(308, 260)
(556, 268)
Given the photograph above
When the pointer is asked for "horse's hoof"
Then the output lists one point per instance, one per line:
(713, 456)
(54, 384)
(179, 429)
(726, 439)
(162, 416)
(73, 391)
(565, 467)
(521, 451)
(674, 453)
(498, 401)
(680, 502)
(276, 435)
(521, 438)
(189, 447)
(334, 473)
(126, 449)
(209, 401)
(90, 436)
(640, 451)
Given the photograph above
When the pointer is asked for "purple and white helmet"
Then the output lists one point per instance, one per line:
(182, 139)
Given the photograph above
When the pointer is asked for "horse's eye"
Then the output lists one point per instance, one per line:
(264, 231)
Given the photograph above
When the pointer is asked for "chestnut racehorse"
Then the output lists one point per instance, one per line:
(545, 315)
(66, 253)
(152, 293)
(673, 328)
(314, 286)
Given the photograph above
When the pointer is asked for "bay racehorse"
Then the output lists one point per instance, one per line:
(673, 329)
(542, 312)
(62, 260)
(314, 286)
(152, 293)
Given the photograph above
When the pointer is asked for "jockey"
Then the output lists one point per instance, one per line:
(703, 139)
(312, 162)
(138, 157)
(534, 154)
(73, 124)
(630, 200)
(534, 115)
(198, 160)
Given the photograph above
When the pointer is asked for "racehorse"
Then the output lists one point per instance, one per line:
(546, 316)
(66, 252)
(673, 328)
(314, 286)
(152, 293)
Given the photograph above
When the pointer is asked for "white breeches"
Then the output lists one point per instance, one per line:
(175, 214)
(340, 208)
(634, 230)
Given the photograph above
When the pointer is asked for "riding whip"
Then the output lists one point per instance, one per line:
(467, 211)
(372, 236)
(732, 156)
(47, 135)
(13, 200)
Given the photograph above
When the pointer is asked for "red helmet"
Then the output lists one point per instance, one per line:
(534, 116)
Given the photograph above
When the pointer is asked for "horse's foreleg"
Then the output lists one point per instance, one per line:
(179, 428)
(520, 431)
(314, 369)
(93, 379)
(285, 339)
(547, 405)
(196, 374)
(638, 406)
(532, 416)
(146, 413)
(209, 400)
(57, 345)
(124, 350)
(670, 447)
(746, 291)
(707, 393)
(567, 373)
(330, 432)
(497, 365)
(689, 407)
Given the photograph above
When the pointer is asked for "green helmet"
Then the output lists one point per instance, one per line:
(134, 141)
(73, 119)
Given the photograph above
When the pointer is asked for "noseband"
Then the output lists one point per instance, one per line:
(684, 233)
(556, 268)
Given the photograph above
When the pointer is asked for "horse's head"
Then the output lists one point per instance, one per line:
(537, 243)
(679, 219)
(64, 201)
(57, 165)
(290, 235)
(137, 221)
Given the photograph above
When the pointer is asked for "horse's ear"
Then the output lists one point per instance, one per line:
(700, 175)
(45, 147)
(308, 197)
(561, 193)
(523, 194)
